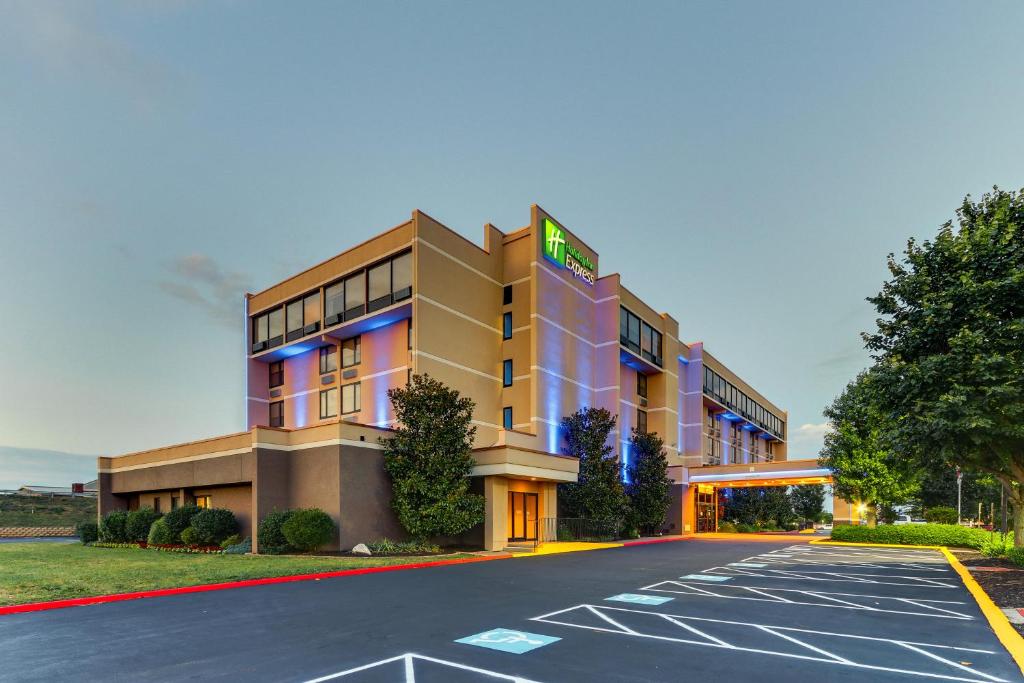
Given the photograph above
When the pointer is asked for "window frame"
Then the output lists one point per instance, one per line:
(325, 403)
(280, 417)
(326, 353)
(506, 325)
(641, 421)
(279, 374)
(506, 417)
(641, 379)
(506, 373)
(357, 398)
(357, 352)
(506, 295)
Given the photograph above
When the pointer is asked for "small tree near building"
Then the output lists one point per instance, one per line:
(429, 458)
(649, 487)
(598, 493)
(808, 501)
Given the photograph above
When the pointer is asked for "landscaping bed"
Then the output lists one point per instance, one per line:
(999, 577)
(35, 572)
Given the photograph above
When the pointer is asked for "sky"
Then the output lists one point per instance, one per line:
(746, 167)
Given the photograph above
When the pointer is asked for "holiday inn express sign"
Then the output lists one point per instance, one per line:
(563, 253)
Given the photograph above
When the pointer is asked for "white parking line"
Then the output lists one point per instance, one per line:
(410, 662)
(792, 596)
(811, 575)
(611, 618)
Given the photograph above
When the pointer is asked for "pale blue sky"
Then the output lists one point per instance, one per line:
(158, 158)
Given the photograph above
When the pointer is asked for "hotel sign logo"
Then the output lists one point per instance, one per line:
(562, 253)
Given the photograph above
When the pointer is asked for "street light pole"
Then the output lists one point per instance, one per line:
(959, 482)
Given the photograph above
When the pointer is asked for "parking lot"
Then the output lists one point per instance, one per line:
(767, 610)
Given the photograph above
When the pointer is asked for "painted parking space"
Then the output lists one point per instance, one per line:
(508, 640)
(638, 599)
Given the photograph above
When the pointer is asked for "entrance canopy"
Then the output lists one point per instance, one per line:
(779, 473)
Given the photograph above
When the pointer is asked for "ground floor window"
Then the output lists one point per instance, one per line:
(203, 502)
(174, 502)
(707, 509)
(156, 505)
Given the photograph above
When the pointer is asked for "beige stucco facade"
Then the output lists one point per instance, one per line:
(525, 324)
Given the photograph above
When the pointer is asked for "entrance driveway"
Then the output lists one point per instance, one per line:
(734, 610)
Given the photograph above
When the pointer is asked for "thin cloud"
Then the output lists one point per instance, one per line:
(806, 440)
(200, 281)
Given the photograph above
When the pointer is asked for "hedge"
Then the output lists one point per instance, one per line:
(1016, 555)
(270, 536)
(112, 527)
(88, 532)
(213, 525)
(136, 527)
(159, 534)
(941, 515)
(914, 534)
(309, 529)
(179, 519)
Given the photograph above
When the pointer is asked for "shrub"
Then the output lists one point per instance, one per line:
(270, 535)
(213, 525)
(915, 534)
(240, 548)
(190, 536)
(1016, 555)
(87, 532)
(940, 515)
(112, 527)
(745, 528)
(726, 528)
(139, 521)
(159, 534)
(179, 519)
(998, 545)
(309, 529)
(233, 539)
(388, 547)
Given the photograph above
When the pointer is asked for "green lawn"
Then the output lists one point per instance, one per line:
(33, 572)
(18, 510)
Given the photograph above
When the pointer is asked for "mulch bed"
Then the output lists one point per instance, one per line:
(1000, 578)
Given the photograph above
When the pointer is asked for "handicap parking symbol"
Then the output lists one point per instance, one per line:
(638, 599)
(508, 640)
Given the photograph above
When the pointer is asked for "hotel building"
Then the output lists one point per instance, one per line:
(526, 325)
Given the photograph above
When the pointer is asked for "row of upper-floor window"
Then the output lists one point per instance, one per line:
(723, 391)
(350, 402)
(639, 337)
(357, 294)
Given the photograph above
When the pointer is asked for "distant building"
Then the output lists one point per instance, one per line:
(89, 489)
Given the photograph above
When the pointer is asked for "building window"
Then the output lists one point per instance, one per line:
(334, 304)
(277, 414)
(639, 337)
(350, 398)
(506, 326)
(328, 359)
(641, 421)
(204, 502)
(276, 374)
(351, 352)
(409, 335)
(174, 502)
(641, 385)
(379, 286)
(355, 296)
(156, 505)
(769, 451)
(329, 403)
(506, 373)
(408, 377)
(401, 276)
(506, 417)
(268, 330)
(506, 295)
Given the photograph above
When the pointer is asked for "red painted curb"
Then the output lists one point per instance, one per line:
(650, 541)
(119, 597)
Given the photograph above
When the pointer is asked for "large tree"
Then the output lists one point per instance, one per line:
(429, 458)
(865, 469)
(761, 506)
(649, 487)
(808, 501)
(949, 346)
(598, 493)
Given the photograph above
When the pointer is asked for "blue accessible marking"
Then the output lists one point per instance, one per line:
(639, 599)
(705, 577)
(751, 565)
(508, 640)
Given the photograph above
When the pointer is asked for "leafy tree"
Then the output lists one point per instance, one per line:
(808, 501)
(864, 468)
(949, 344)
(941, 515)
(429, 458)
(598, 492)
(649, 486)
(763, 506)
(938, 488)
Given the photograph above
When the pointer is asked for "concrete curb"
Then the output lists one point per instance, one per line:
(1007, 634)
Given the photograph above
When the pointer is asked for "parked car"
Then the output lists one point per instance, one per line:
(907, 519)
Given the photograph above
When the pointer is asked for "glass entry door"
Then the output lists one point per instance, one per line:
(707, 514)
(522, 516)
